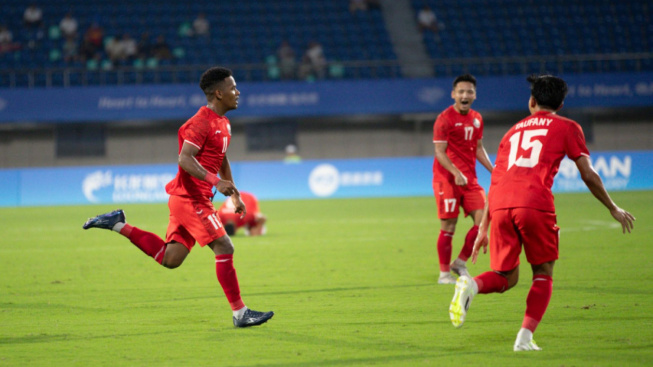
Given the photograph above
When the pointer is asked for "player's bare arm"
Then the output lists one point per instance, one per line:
(594, 183)
(482, 238)
(481, 156)
(189, 163)
(225, 172)
(441, 156)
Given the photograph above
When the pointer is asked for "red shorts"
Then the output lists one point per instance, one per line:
(193, 220)
(449, 197)
(510, 228)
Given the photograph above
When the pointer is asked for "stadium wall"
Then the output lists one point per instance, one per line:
(336, 178)
(326, 120)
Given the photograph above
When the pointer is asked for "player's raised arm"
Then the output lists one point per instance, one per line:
(594, 183)
(189, 163)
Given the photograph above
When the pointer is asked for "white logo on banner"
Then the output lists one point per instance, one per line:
(614, 171)
(325, 179)
(94, 182)
(127, 187)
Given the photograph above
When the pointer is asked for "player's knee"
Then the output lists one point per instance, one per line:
(222, 246)
(171, 263)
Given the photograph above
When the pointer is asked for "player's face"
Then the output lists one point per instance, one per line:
(464, 95)
(230, 94)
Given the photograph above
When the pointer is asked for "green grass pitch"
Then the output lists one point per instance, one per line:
(352, 282)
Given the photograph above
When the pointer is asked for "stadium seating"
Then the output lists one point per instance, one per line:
(517, 28)
(489, 35)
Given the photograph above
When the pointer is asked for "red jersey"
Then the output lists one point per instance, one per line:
(211, 134)
(228, 210)
(528, 159)
(461, 133)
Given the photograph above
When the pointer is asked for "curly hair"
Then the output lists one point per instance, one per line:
(211, 79)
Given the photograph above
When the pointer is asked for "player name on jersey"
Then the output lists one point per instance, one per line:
(535, 121)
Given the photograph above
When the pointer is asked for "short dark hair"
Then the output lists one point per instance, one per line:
(230, 228)
(211, 79)
(548, 91)
(464, 78)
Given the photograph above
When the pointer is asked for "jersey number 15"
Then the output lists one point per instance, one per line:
(526, 142)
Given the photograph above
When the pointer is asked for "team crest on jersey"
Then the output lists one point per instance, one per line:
(477, 123)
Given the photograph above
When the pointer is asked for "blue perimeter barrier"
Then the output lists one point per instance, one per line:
(301, 99)
(355, 178)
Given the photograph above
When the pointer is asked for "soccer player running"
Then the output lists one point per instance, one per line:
(520, 207)
(203, 143)
(458, 139)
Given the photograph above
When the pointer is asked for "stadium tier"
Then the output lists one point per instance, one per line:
(485, 37)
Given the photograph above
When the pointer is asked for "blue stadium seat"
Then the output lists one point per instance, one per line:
(247, 32)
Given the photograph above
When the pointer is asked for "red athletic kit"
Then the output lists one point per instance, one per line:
(192, 215)
(520, 198)
(227, 211)
(461, 133)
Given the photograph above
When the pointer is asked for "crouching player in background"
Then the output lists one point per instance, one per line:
(253, 222)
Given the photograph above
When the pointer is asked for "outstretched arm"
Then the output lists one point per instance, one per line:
(441, 156)
(481, 156)
(189, 163)
(594, 183)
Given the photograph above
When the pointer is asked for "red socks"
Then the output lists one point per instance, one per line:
(444, 249)
(154, 246)
(491, 282)
(224, 268)
(537, 301)
(468, 247)
(149, 243)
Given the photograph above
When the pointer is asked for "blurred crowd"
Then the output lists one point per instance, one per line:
(94, 47)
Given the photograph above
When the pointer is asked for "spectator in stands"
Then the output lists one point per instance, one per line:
(291, 154)
(68, 26)
(287, 63)
(114, 50)
(70, 50)
(426, 20)
(7, 40)
(144, 46)
(129, 46)
(201, 25)
(363, 5)
(305, 70)
(33, 17)
(92, 42)
(315, 54)
(160, 49)
(357, 5)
